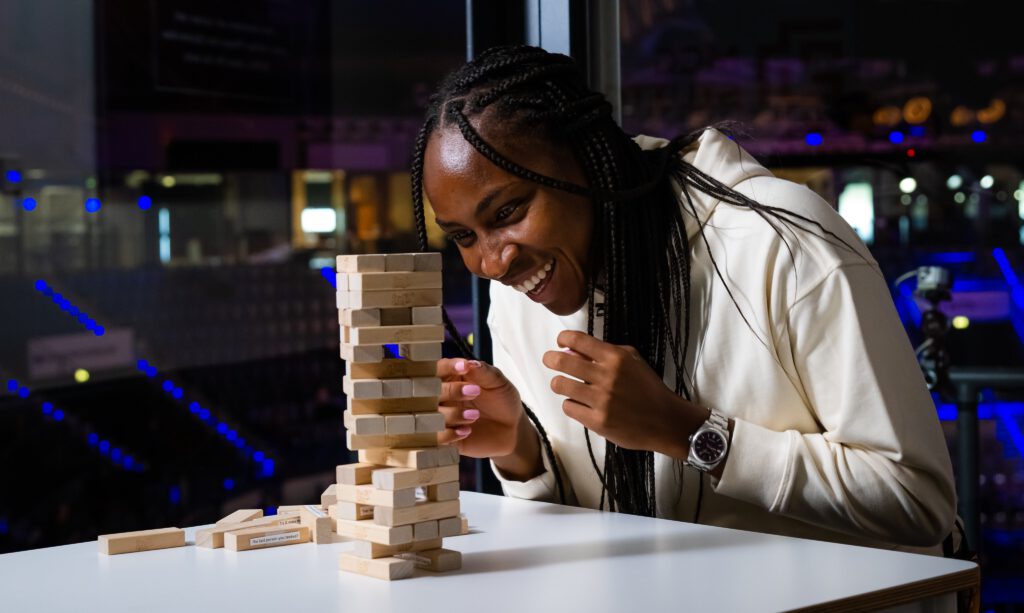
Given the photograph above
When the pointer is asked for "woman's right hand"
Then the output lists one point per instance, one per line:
(482, 409)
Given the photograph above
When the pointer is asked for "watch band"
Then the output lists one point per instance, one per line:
(715, 422)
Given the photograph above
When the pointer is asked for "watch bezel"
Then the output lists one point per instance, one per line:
(709, 431)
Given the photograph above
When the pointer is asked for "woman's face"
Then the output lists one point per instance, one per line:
(527, 236)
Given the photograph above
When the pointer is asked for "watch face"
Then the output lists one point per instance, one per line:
(708, 446)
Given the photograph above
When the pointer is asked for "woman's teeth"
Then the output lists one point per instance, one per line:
(531, 283)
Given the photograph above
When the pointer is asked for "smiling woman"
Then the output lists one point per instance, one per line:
(675, 276)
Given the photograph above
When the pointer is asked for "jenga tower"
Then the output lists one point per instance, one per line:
(402, 497)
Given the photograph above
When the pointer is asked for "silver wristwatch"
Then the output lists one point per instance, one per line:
(710, 443)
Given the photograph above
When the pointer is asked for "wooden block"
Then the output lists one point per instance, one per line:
(402, 478)
(399, 262)
(421, 511)
(141, 540)
(213, 538)
(289, 508)
(397, 388)
(329, 496)
(239, 516)
(388, 441)
(401, 458)
(341, 281)
(442, 491)
(435, 560)
(463, 524)
(367, 494)
(363, 388)
(264, 537)
(319, 523)
(400, 424)
(401, 316)
(368, 550)
(449, 526)
(427, 315)
(389, 298)
(391, 368)
(394, 334)
(426, 386)
(429, 422)
(383, 406)
(359, 473)
(377, 281)
(364, 424)
(351, 510)
(425, 530)
(420, 351)
(389, 569)
(361, 263)
(369, 530)
(362, 353)
(355, 318)
(426, 261)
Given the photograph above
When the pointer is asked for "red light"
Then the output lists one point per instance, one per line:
(911, 153)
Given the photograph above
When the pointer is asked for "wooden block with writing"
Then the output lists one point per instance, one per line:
(367, 494)
(427, 315)
(383, 406)
(369, 530)
(386, 299)
(395, 334)
(435, 560)
(402, 478)
(239, 516)
(364, 424)
(429, 422)
(420, 351)
(358, 473)
(362, 388)
(449, 526)
(397, 388)
(375, 281)
(388, 441)
(400, 262)
(421, 511)
(368, 550)
(362, 263)
(427, 261)
(426, 386)
(141, 540)
(442, 491)
(400, 424)
(388, 569)
(401, 458)
(355, 318)
(362, 353)
(263, 537)
(391, 368)
(319, 523)
(425, 530)
(213, 538)
(351, 510)
(329, 496)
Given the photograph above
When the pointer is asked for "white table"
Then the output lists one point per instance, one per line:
(520, 556)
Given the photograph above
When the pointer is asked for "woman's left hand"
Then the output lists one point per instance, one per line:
(620, 397)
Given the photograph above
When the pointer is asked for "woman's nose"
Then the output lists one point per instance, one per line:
(496, 258)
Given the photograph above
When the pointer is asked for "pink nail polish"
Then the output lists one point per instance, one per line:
(475, 363)
(463, 431)
(472, 414)
(471, 390)
(460, 366)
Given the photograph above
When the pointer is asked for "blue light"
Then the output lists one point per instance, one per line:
(85, 321)
(917, 130)
(92, 205)
(12, 386)
(194, 407)
(48, 408)
(73, 311)
(13, 176)
(99, 330)
(93, 438)
(392, 349)
(104, 447)
(151, 371)
(257, 456)
(222, 428)
(115, 454)
(41, 285)
(29, 204)
(145, 202)
(174, 494)
(951, 257)
(240, 442)
(204, 414)
(178, 393)
(895, 137)
(268, 468)
(979, 136)
(23, 391)
(128, 462)
(4, 527)
(814, 139)
(139, 468)
(56, 298)
(142, 364)
(328, 273)
(168, 385)
(229, 484)
(270, 511)
(231, 435)
(58, 415)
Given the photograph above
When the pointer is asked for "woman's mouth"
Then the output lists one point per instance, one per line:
(535, 285)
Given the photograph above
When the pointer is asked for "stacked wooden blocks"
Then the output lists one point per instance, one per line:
(402, 498)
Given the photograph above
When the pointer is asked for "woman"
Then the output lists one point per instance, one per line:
(650, 294)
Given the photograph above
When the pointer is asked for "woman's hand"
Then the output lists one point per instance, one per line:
(620, 397)
(482, 409)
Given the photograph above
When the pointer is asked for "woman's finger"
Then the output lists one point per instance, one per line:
(458, 391)
(579, 412)
(580, 392)
(452, 435)
(458, 416)
(449, 368)
(582, 343)
(572, 364)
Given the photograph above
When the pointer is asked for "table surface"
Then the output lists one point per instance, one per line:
(519, 556)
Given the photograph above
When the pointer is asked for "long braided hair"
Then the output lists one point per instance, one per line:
(640, 280)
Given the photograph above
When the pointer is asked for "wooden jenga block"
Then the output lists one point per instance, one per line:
(367, 494)
(388, 441)
(426, 386)
(264, 537)
(286, 509)
(396, 388)
(435, 560)
(388, 298)
(364, 424)
(449, 526)
(376, 281)
(391, 368)
(389, 569)
(351, 510)
(427, 261)
(369, 530)
(329, 496)
(141, 540)
(425, 530)
(400, 424)
(361, 263)
(420, 351)
(402, 478)
(421, 511)
(429, 422)
(341, 281)
(359, 473)
(362, 388)
(213, 538)
(383, 406)
(400, 458)
(368, 550)
(362, 353)
(355, 318)
(394, 334)
(427, 315)
(239, 516)
(447, 455)
(463, 524)
(400, 262)
(319, 523)
(442, 491)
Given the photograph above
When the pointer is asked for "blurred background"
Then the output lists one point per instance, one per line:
(176, 177)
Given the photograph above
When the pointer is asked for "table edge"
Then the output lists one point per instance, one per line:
(901, 594)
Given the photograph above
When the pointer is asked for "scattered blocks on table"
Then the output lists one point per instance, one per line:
(141, 540)
(213, 538)
(239, 516)
(264, 537)
(320, 524)
(389, 569)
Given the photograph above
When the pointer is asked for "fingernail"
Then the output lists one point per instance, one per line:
(473, 414)
(475, 363)
(460, 366)
(471, 390)
(463, 431)
(569, 351)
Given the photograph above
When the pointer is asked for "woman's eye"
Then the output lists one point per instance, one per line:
(462, 238)
(506, 211)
